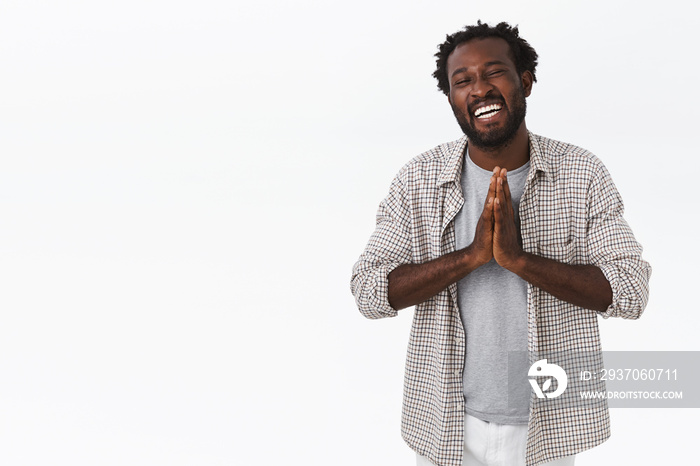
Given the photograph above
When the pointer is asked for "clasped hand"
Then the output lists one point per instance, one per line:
(496, 234)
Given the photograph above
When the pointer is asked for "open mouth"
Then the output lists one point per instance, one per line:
(487, 111)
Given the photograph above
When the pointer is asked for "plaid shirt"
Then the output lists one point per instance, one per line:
(570, 212)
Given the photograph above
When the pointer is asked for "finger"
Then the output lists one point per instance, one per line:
(500, 190)
(487, 213)
(485, 223)
(504, 177)
(503, 208)
(506, 194)
(492, 192)
(497, 214)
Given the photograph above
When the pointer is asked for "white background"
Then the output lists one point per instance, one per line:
(185, 187)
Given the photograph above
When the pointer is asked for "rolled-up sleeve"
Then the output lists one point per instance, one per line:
(613, 248)
(388, 247)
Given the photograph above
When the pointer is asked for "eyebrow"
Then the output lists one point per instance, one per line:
(487, 64)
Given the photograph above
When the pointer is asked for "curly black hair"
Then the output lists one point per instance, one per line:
(524, 55)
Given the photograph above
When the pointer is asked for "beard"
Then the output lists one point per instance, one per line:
(495, 138)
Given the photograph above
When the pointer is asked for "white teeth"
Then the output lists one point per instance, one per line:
(487, 109)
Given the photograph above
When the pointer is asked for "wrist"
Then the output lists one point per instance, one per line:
(474, 257)
(518, 263)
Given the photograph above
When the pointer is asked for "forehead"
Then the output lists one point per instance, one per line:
(478, 52)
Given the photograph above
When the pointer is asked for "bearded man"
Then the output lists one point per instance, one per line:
(505, 241)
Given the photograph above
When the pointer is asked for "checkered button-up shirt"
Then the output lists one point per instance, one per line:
(571, 212)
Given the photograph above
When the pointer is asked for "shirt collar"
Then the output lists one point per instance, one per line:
(453, 167)
(539, 161)
(539, 157)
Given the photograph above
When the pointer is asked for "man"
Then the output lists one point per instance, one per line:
(504, 241)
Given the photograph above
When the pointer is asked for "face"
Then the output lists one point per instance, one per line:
(487, 94)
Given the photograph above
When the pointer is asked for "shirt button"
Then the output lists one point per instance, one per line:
(458, 340)
(457, 372)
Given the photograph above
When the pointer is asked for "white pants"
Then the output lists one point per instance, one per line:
(491, 444)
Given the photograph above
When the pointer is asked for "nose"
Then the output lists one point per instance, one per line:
(481, 87)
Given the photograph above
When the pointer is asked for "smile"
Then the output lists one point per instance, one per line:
(487, 111)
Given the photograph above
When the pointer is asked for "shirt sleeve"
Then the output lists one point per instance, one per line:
(613, 248)
(388, 247)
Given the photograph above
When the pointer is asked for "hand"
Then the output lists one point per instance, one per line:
(506, 244)
(411, 284)
(482, 246)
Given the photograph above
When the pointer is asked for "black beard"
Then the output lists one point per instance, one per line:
(496, 138)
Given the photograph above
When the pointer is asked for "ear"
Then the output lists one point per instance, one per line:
(449, 101)
(527, 81)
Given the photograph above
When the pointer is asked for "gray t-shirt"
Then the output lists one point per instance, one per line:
(493, 306)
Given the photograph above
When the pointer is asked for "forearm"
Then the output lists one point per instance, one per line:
(411, 284)
(582, 285)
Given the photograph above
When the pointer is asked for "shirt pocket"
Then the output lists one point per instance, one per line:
(560, 252)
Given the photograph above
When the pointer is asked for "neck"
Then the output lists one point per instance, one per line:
(511, 155)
